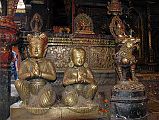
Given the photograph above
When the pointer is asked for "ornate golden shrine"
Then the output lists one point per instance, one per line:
(99, 52)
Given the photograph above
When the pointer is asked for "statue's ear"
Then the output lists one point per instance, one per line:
(71, 64)
(85, 65)
(29, 36)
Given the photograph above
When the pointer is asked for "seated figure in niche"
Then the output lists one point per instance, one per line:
(36, 23)
(35, 73)
(83, 24)
(80, 86)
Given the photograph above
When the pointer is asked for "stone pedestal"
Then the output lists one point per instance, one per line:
(55, 113)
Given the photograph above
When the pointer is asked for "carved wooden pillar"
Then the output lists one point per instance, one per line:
(7, 36)
(151, 51)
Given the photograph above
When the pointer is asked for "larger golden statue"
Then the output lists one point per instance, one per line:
(34, 74)
(80, 86)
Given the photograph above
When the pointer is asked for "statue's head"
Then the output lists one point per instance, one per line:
(78, 56)
(37, 45)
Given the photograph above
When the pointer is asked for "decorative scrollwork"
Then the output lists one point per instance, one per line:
(60, 55)
(98, 58)
(102, 58)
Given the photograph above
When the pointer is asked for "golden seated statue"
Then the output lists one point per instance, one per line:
(34, 73)
(83, 24)
(80, 86)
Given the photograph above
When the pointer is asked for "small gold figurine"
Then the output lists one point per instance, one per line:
(36, 23)
(117, 28)
(34, 74)
(83, 24)
(80, 86)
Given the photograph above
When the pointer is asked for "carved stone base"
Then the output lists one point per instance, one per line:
(55, 113)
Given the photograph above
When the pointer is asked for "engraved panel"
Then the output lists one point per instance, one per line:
(99, 52)
(59, 55)
(101, 58)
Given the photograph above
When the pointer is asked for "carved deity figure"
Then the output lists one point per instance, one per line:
(117, 28)
(36, 23)
(125, 56)
(83, 24)
(35, 75)
(80, 86)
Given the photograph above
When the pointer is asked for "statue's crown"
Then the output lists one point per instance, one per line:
(37, 39)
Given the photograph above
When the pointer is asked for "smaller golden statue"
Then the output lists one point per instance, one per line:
(36, 23)
(80, 86)
(33, 87)
(117, 28)
(83, 24)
